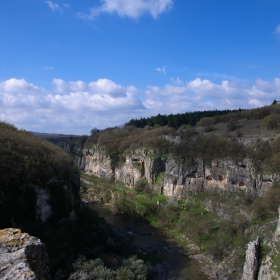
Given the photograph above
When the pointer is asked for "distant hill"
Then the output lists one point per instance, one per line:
(55, 138)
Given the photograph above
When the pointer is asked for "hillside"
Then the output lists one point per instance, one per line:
(221, 177)
(39, 194)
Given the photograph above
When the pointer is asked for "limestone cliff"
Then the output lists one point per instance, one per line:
(141, 163)
(22, 256)
(219, 175)
(97, 162)
(179, 176)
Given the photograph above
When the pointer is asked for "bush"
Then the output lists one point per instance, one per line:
(218, 245)
(141, 185)
(131, 269)
(231, 125)
(208, 121)
(272, 121)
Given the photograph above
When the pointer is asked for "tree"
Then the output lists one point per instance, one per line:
(272, 121)
(94, 131)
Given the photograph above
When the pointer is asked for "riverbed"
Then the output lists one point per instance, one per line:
(149, 240)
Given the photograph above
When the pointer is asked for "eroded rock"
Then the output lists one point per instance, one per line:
(22, 256)
(250, 269)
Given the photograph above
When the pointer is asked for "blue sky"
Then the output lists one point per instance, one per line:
(68, 66)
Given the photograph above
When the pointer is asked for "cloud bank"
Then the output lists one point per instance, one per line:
(128, 8)
(75, 107)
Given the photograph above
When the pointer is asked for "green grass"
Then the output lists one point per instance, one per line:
(164, 155)
(160, 198)
(160, 177)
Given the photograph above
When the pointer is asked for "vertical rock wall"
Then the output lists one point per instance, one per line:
(97, 162)
(250, 269)
(179, 176)
(219, 175)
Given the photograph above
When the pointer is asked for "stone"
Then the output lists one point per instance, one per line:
(44, 209)
(22, 256)
(251, 264)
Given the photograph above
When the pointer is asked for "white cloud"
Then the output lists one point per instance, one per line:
(73, 107)
(128, 8)
(53, 6)
(19, 86)
(76, 106)
(204, 94)
(163, 69)
(66, 5)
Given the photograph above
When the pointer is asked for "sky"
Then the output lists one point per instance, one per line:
(67, 66)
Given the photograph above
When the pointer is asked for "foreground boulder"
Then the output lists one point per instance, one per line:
(22, 256)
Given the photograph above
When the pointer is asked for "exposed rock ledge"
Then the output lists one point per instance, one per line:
(22, 256)
(250, 269)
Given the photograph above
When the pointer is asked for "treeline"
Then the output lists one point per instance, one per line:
(177, 120)
(216, 116)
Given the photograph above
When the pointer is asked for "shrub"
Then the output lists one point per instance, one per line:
(131, 268)
(207, 121)
(272, 121)
(141, 185)
(231, 125)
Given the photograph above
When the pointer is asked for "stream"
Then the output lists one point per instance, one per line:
(177, 265)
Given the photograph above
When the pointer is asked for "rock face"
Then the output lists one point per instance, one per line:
(141, 163)
(97, 162)
(219, 175)
(75, 150)
(22, 256)
(44, 209)
(250, 269)
(179, 176)
(277, 231)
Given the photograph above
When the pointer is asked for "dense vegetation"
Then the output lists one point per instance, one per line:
(213, 117)
(25, 162)
(200, 141)
(178, 120)
(213, 137)
(28, 163)
(188, 222)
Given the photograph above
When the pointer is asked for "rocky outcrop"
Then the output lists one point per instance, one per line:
(180, 176)
(226, 211)
(266, 271)
(277, 231)
(44, 209)
(22, 256)
(141, 163)
(76, 151)
(250, 269)
(97, 162)
(219, 175)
